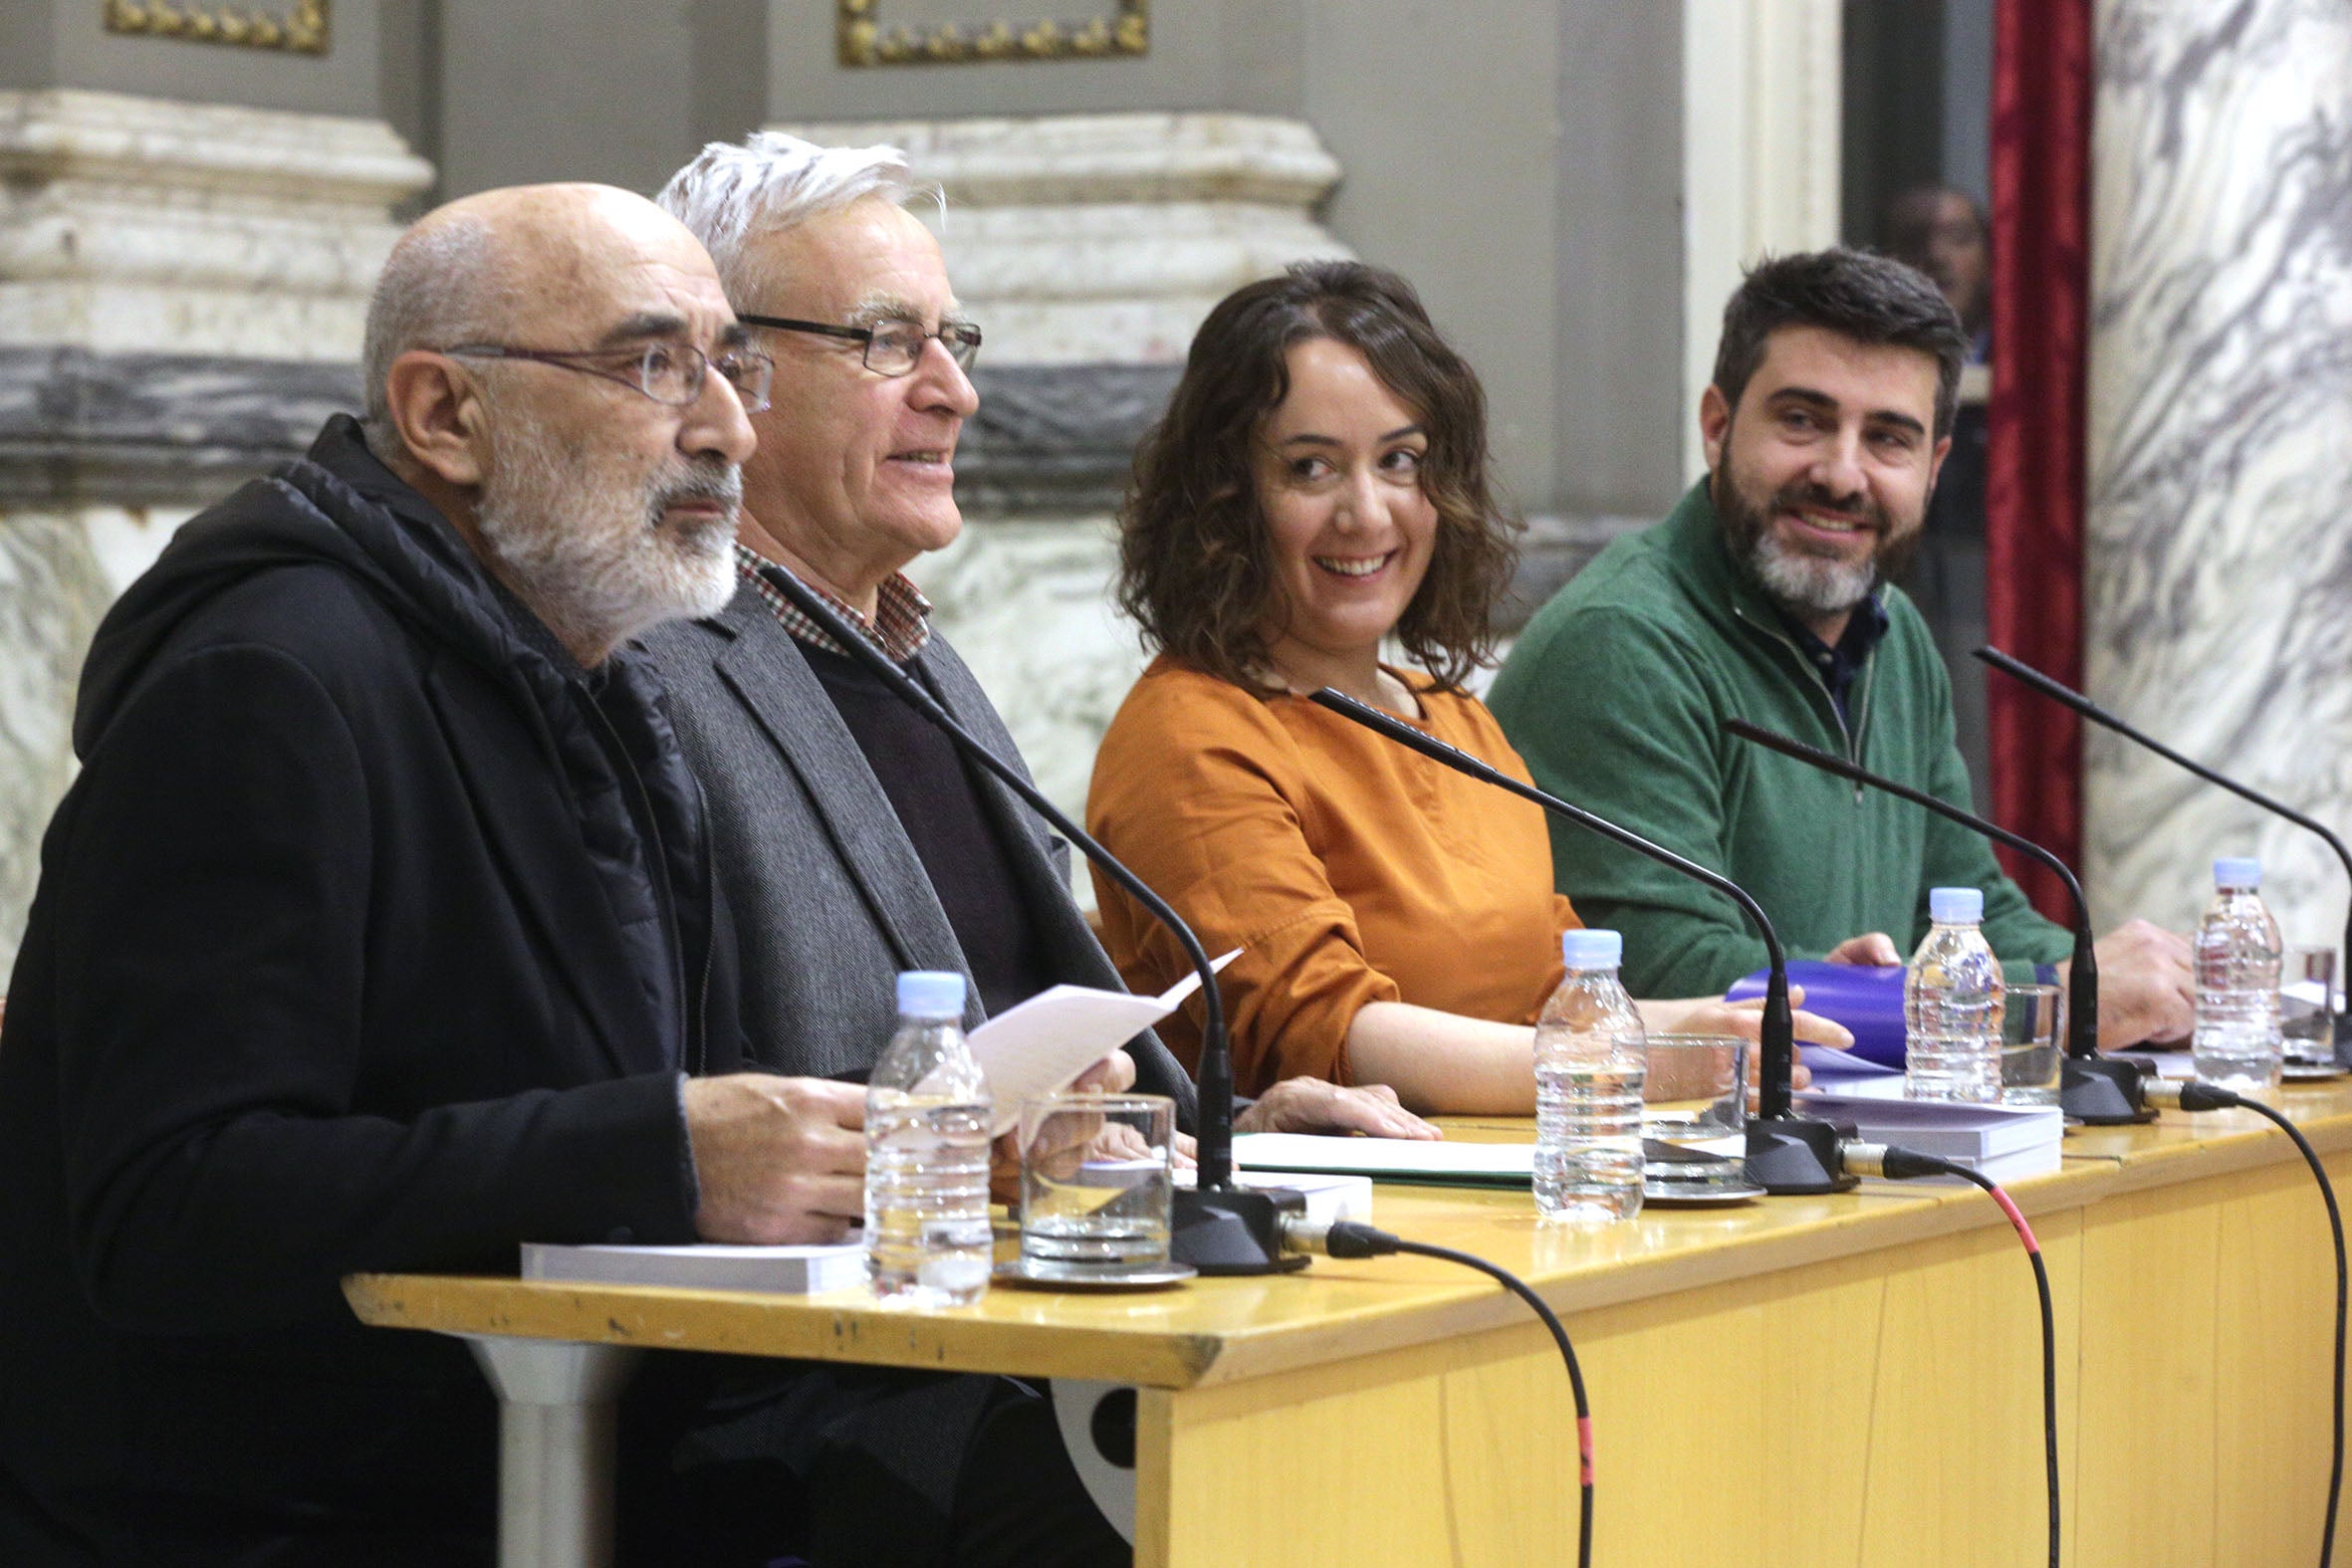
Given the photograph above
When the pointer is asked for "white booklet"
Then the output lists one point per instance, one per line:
(784, 1271)
(2042, 1160)
(1949, 1129)
(1048, 1040)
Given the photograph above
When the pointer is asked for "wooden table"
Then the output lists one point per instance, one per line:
(1851, 1379)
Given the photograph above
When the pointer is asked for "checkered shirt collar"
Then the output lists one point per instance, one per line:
(902, 623)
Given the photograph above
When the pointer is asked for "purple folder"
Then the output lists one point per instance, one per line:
(1867, 1000)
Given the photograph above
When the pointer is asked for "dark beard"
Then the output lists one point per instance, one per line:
(1803, 584)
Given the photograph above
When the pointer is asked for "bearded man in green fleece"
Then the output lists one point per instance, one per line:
(1762, 596)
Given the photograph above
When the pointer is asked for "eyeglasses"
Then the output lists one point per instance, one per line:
(894, 349)
(669, 373)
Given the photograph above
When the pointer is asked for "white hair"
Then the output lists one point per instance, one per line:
(442, 285)
(732, 192)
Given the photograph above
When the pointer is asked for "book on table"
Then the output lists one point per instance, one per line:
(1948, 1129)
(782, 1271)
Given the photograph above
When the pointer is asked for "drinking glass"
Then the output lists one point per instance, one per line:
(2031, 1048)
(1095, 1192)
(2306, 1005)
(1695, 1097)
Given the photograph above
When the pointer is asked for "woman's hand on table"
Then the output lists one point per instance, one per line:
(1713, 1015)
(1316, 1105)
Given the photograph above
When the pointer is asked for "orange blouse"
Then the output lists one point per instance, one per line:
(1346, 869)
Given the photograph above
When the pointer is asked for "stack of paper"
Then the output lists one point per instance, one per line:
(1433, 1162)
(2004, 1142)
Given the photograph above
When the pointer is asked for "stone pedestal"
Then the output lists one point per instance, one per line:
(1089, 247)
(2220, 564)
(182, 288)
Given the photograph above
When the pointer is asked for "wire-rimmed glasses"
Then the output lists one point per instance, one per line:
(893, 348)
(670, 373)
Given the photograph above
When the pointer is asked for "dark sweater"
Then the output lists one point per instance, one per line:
(931, 789)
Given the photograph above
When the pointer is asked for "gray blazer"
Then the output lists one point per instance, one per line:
(830, 899)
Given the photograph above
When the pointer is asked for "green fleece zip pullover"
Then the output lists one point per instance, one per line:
(1615, 696)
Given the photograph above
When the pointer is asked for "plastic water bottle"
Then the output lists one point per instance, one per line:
(927, 1242)
(1590, 1064)
(1951, 1001)
(2237, 1044)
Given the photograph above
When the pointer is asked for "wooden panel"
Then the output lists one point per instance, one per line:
(1865, 1411)
(2275, 1279)
(2144, 1493)
(1462, 1451)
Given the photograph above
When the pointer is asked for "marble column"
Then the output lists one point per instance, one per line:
(181, 293)
(2220, 560)
(1089, 247)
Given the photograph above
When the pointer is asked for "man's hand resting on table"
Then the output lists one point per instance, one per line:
(2147, 987)
(778, 1159)
(1870, 949)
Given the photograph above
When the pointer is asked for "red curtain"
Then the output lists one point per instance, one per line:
(2033, 482)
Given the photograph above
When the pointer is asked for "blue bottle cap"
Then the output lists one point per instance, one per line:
(1592, 948)
(1956, 906)
(2237, 871)
(930, 993)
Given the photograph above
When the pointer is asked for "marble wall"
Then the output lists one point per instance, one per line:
(2220, 560)
(181, 293)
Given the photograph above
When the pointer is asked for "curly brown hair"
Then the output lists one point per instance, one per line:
(1195, 566)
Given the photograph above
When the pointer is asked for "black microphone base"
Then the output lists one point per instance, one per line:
(1236, 1230)
(1795, 1155)
(2099, 1092)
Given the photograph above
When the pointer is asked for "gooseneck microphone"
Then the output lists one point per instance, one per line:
(2101, 1092)
(1219, 1228)
(2098, 715)
(1786, 1152)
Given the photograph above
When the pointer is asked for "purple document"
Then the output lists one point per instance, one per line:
(1866, 999)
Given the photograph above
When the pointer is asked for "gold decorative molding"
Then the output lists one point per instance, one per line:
(301, 31)
(865, 41)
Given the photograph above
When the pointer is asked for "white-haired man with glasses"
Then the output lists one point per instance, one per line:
(854, 843)
(858, 844)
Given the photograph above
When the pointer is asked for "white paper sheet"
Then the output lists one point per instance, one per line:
(1047, 1042)
(1391, 1157)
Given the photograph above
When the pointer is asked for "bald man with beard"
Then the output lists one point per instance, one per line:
(378, 932)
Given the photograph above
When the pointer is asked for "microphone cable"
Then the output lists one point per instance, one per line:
(2195, 1095)
(1902, 1165)
(1347, 1239)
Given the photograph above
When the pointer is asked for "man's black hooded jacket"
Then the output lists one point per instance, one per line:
(372, 936)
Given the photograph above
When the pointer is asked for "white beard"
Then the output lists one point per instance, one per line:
(1807, 585)
(586, 544)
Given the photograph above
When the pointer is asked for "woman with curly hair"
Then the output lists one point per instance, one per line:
(1318, 486)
